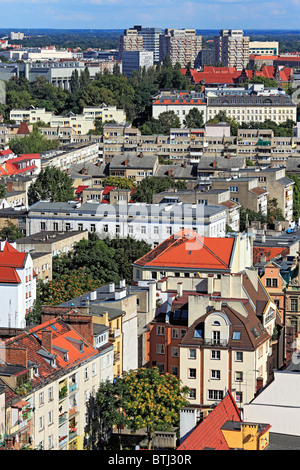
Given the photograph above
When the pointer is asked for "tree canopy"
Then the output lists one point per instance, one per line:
(51, 184)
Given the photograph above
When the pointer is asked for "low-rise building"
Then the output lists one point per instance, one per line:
(105, 113)
(150, 222)
(56, 242)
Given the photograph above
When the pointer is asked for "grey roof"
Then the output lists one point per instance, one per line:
(283, 442)
(178, 171)
(47, 237)
(92, 169)
(285, 181)
(134, 161)
(221, 162)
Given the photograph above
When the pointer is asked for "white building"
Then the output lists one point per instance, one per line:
(106, 113)
(17, 286)
(134, 60)
(152, 223)
(180, 102)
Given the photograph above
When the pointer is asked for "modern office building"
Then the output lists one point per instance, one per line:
(134, 60)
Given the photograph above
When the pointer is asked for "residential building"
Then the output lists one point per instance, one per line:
(254, 108)
(105, 113)
(17, 286)
(135, 167)
(150, 222)
(130, 40)
(232, 48)
(181, 45)
(66, 155)
(56, 368)
(150, 40)
(245, 191)
(179, 102)
(187, 254)
(30, 115)
(205, 196)
(55, 242)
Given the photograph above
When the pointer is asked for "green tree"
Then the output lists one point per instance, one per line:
(194, 119)
(51, 184)
(2, 190)
(33, 143)
(11, 232)
(119, 182)
(152, 185)
(247, 216)
(151, 400)
(168, 120)
(296, 196)
(74, 82)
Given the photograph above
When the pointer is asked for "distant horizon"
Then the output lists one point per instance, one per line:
(258, 15)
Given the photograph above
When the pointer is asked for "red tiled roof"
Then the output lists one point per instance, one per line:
(25, 157)
(208, 434)
(80, 189)
(10, 257)
(9, 275)
(268, 252)
(23, 128)
(3, 153)
(107, 189)
(186, 249)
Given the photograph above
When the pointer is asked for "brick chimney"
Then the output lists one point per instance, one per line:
(214, 164)
(126, 162)
(228, 156)
(16, 356)
(9, 186)
(47, 340)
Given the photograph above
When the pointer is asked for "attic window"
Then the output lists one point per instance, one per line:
(198, 332)
(216, 323)
(255, 332)
(236, 335)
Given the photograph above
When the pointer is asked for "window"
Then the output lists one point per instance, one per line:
(274, 282)
(215, 394)
(130, 229)
(41, 399)
(160, 349)
(239, 397)
(155, 230)
(94, 369)
(50, 417)
(216, 355)
(50, 393)
(55, 226)
(43, 226)
(93, 228)
(192, 394)
(86, 373)
(216, 337)
(182, 333)
(239, 356)
(236, 335)
(174, 352)
(192, 373)
(160, 330)
(175, 333)
(192, 353)
(294, 305)
(161, 367)
(143, 229)
(215, 374)
(50, 442)
(239, 376)
(175, 370)
(80, 227)
(41, 423)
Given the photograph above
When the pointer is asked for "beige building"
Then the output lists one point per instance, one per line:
(130, 40)
(263, 48)
(55, 242)
(42, 265)
(105, 113)
(232, 48)
(181, 45)
(31, 115)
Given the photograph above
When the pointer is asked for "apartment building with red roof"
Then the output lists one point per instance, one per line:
(53, 369)
(17, 286)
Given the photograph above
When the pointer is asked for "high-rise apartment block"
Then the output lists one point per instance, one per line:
(232, 48)
(150, 40)
(130, 40)
(182, 45)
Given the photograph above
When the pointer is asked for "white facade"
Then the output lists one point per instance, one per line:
(278, 404)
(17, 298)
(152, 223)
(106, 113)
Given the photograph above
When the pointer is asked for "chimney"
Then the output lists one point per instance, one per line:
(16, 356)
(47, 340)
(179, 289)
(9, 186)
(83, 171)
(126, 162)
(214, 164)
(111, 287)
(228, 156)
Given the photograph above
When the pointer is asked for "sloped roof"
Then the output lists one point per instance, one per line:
(23, 128)
(186, 249)
(11, 257)
(208, 433)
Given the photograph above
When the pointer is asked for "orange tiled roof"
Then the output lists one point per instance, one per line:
(186, 249)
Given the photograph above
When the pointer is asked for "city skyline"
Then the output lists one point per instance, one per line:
(118, 14)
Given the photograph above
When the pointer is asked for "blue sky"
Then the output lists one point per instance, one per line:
(120, 14)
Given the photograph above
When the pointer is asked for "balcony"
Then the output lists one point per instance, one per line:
(62, 418)
(72, 434)
(73, 410)
(116, 357)
(73, 387)
(62, 440)
(113, 334)
(212, 342)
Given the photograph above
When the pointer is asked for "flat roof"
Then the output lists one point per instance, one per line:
(49, 237)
